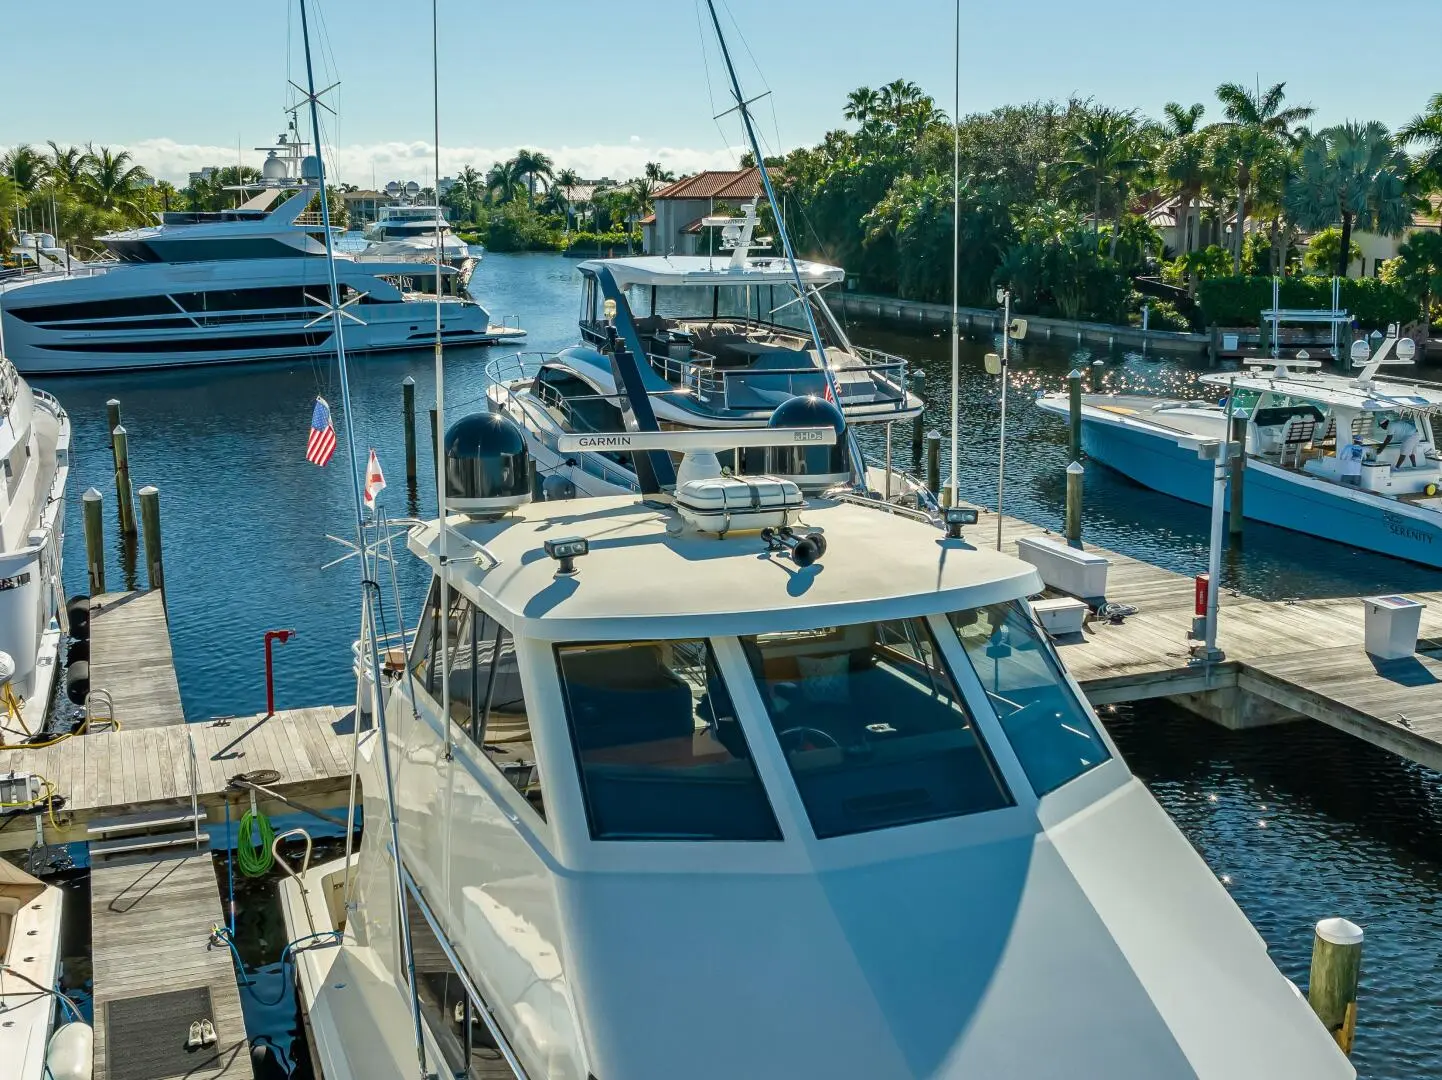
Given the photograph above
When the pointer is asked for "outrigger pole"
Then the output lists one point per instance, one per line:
(744, 108)
(337, 317)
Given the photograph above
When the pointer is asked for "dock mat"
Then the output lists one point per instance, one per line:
(145, 1036)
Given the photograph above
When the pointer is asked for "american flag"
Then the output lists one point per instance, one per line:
(321, 444)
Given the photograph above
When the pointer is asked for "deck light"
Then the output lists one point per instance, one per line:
(608, 309)
(956, 517)
(566, 551)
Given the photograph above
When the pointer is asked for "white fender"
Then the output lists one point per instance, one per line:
(71, 1053)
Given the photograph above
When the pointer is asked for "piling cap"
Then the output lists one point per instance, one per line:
(91, 495)
(408, 381)
(1074, 373)
(149, 489)
(1339, 932)
(1075, 469)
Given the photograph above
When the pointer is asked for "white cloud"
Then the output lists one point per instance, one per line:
(360, 163)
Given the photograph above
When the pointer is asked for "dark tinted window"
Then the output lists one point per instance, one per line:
(660, 752)
(872, 727)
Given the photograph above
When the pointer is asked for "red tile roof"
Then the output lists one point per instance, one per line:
(728, 184)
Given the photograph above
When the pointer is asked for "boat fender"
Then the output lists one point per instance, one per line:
(1430, 490)
(78, 650)
(71, 1053)
(77, 681)
(77, 613)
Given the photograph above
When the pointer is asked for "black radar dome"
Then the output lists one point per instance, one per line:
(487, 464)
(810, 466)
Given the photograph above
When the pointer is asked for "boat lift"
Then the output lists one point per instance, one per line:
(1276, 315)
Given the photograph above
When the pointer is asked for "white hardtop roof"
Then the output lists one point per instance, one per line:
(641, 581)
(712, 270)
(1340, 390)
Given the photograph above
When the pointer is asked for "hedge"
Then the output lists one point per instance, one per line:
(1240, 301)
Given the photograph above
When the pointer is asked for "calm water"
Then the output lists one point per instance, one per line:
(1348, 830)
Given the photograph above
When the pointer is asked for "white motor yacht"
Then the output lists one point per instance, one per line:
(231, 286)
(35, 465)
(30, 914)
(413, 230)
(741, 785)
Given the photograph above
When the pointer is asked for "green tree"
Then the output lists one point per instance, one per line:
(1324, 251)
(1184, 162)
(1418, 271)
(112, 181)
(502, 183)
(26, 168)
(65, 167)
(1256, 129)
(1353, 175)
(1425, 131)
(656, 174)
(532, 167)
(1102, 156)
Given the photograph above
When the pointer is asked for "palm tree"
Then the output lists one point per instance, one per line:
(66, 165)
(1180, 121)
(1353, 175)
(471, 184)
(1101, 154)
(1256, 123)
(111, 181)
(26, 169)
(658, 175)
(635, 203)
(501, 183)
(532, 166)
(861, 103)
(1184, 166)
(1426, 129)
(566, 181)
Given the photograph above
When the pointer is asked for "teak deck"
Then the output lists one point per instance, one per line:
(130, 659)
(1304, 656)
(149, 923)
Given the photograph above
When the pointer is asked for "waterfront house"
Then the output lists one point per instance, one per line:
(363, 206)
(674, 227)
(1378, 249)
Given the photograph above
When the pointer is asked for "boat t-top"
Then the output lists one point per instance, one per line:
(1347, 458)
(759, 785)
(250, 283)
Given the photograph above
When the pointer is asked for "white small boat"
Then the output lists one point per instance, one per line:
(1302, 427)
(29, 967)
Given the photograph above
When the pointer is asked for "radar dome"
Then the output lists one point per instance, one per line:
(310, 168)
(487, 465)
(393, 189)
(273, 168)
(412, 189)
(811, 468)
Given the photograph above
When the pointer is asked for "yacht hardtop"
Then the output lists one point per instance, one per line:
(741, 786)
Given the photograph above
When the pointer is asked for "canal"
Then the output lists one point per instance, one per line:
(1300, 821)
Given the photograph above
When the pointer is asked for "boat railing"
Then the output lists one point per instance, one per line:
(885, 378)
(532, 411)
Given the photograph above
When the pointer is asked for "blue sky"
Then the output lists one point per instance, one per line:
(605, 87)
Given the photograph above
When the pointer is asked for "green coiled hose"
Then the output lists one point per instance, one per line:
(254, 859)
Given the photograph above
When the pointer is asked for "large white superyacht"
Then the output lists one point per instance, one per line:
(230, 286)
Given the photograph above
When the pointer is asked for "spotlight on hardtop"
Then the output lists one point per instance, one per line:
(487, 465)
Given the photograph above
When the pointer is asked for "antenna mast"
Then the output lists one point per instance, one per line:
(956, 268)
(337, 315)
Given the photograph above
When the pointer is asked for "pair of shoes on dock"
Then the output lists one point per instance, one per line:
(202, 1033)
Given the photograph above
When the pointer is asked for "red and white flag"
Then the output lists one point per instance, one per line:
(375, 480)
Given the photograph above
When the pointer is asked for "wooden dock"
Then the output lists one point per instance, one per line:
(149, 923)
(143, 770)
(131, 661)
(1284, 659)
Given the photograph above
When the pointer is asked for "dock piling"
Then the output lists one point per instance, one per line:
(1074, 401)
(120, 446)
(1336, 969)
(933, 461)
(408, 414)
(917, 427)
(112, 421)
(150, 527)
(94, 541)
(435, 435)
(1097, 366)
(1074, 473)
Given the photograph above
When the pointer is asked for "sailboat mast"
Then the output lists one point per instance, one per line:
(956, 267)
(403, 924)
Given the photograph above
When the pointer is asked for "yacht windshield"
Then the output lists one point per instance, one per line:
(759, 305)
(1049, 727)
(661, 754)
(872, 727)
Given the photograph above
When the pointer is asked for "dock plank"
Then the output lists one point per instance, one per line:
(131, 660)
